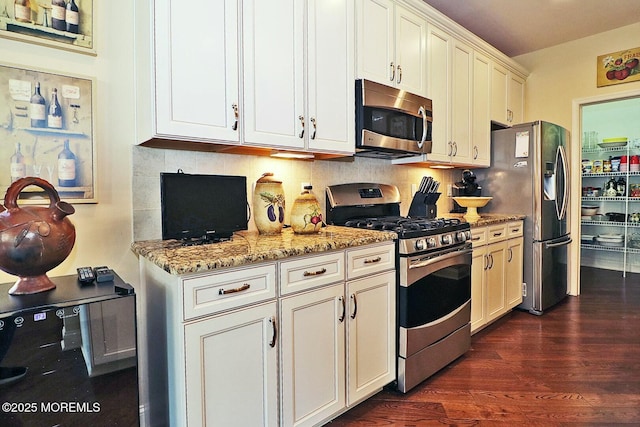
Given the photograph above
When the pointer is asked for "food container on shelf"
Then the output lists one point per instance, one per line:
(613, 142)
(624, 164)
(634, 164)
(612, 240)
(587, 165)
(634, 241)
(599, 217)
(587, 238)
(597, 166)
(589, 210)
(617, 216)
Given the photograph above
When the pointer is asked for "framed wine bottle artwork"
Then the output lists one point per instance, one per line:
(63, 24)
(47, 129)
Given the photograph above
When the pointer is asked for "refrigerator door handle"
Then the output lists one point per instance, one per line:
(562, 157)
(556, 243)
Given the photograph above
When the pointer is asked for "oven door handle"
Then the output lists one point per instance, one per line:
(438, 258)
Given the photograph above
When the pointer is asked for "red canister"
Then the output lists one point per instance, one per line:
(634, 164)
(623, 164)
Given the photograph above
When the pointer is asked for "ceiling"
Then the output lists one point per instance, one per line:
(516, 27)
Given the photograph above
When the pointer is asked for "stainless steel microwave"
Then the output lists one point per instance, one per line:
(391, 123)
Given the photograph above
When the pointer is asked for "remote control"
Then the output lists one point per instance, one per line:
(103, 274)
(85, 275)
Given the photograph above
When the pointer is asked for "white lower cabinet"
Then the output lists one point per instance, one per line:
(371, 335)
(338, 341)
(496, 272)
(313, 355)
(292, 343)
(232, 375)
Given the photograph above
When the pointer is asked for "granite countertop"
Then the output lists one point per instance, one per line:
(250, 247)
(490, 218)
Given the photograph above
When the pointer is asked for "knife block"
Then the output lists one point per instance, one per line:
(424, 205)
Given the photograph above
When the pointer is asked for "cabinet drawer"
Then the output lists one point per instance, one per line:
(310, 272)
(213, 293)
(370, 260)
(496, 233)
(515, 229)
(478, 236)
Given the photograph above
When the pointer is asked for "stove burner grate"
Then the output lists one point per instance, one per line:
(406, 227)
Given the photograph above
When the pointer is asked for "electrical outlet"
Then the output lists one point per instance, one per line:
(449, 190)
(304, 184)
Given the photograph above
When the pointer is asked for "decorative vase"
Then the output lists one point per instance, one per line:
(268, 204)
(34, 239)
(306, 217)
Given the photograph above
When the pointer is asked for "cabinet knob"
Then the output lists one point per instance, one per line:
(234, 106)
(399, 75)
(393, 72)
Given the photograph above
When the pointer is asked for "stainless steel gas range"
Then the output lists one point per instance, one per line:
(434, 276)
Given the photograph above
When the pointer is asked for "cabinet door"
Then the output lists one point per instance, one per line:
(516, 99)
(495, 279)
(371, 335)
(481, 126)
(375, 38)
(273, 40)
(231, 363)
(478, 288)
(330, 76)
(513, 273)
(410, 48)
(313, 355)
(196, 71)
(461, 102)
(439, 63)
(499, 101)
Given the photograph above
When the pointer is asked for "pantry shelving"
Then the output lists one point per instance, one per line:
(617, 217)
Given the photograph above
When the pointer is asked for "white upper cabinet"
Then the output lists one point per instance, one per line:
(450, 89)
(391, 45)
(288, 104)
(292, 61)
(507, 96)
(195, 92)
(331, 76)
(481, 112)
(273, 40)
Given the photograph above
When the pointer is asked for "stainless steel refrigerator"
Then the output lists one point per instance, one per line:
(529, 175)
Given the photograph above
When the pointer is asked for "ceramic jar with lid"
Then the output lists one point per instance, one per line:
(306, 217)
(268, 204)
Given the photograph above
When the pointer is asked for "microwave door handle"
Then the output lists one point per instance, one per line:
(423, 113)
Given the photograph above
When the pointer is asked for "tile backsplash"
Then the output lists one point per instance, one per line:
(148, 163)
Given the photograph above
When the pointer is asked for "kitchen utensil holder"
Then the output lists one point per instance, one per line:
(424, 205)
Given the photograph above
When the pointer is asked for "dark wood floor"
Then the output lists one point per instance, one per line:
(578, 364)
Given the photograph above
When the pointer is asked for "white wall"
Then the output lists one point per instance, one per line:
(104, 230)
(562, 77)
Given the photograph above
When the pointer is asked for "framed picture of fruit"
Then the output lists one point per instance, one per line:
(619, 67)
(63, 24)
(47, 130)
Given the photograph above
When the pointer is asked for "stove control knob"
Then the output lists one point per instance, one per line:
(461, 236)
(432, 242)
(421, 244)
(446, 239)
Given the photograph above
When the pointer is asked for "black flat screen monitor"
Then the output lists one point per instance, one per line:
(202, 208)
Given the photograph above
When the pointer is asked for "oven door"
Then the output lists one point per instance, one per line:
(434, 297)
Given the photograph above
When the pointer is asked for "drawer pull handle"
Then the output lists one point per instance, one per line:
(344, 310)
(272, 343)
(372, 261)
(497, 234)
(515, 230)
(244, 287)
(475, 239)
(314, 273)
(355, 306)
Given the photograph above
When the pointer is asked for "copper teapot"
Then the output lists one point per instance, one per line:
(34, 239)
